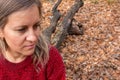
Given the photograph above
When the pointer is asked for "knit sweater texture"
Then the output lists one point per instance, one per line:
(54, 70)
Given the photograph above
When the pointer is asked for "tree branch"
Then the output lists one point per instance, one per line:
(56, 16)
(67, 21)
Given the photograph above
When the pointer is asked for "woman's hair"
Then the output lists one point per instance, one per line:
(8, 7)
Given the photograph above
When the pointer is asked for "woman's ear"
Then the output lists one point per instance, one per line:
(1, 33)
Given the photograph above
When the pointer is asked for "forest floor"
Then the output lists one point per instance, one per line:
(95, 55)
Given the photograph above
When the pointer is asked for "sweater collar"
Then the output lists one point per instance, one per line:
(15, 66)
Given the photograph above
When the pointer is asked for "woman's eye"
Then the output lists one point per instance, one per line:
(36, 26)
(22, 30)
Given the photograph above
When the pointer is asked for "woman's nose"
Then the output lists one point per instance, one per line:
(32, 36)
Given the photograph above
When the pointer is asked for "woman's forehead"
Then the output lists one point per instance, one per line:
(27, 16)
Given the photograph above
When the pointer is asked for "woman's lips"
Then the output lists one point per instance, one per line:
(30, 46)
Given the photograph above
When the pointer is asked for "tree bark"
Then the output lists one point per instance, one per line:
(66, 23)
(56, 16)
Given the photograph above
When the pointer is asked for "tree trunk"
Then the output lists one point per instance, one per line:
(65, 24)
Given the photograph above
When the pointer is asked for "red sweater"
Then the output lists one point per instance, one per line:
(54, 70)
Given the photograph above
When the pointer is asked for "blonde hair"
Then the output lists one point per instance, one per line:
(8, 7)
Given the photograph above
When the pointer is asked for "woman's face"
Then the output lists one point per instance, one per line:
(21, 31)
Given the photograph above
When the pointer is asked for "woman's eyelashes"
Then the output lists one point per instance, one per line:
(36, 26)
(25, 28)
(22, 29)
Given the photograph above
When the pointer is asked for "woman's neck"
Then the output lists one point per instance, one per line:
(14, 58)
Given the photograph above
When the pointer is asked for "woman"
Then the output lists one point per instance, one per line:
(24, 54)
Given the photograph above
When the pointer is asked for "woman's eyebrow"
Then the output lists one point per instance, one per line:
(21, 26)
(38, 22)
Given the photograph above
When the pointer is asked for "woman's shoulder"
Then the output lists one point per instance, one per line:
(53, 52)
(53, 49)
(54, 55)
(55, 66)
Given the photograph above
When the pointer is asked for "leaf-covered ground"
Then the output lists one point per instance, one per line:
(96, 54)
